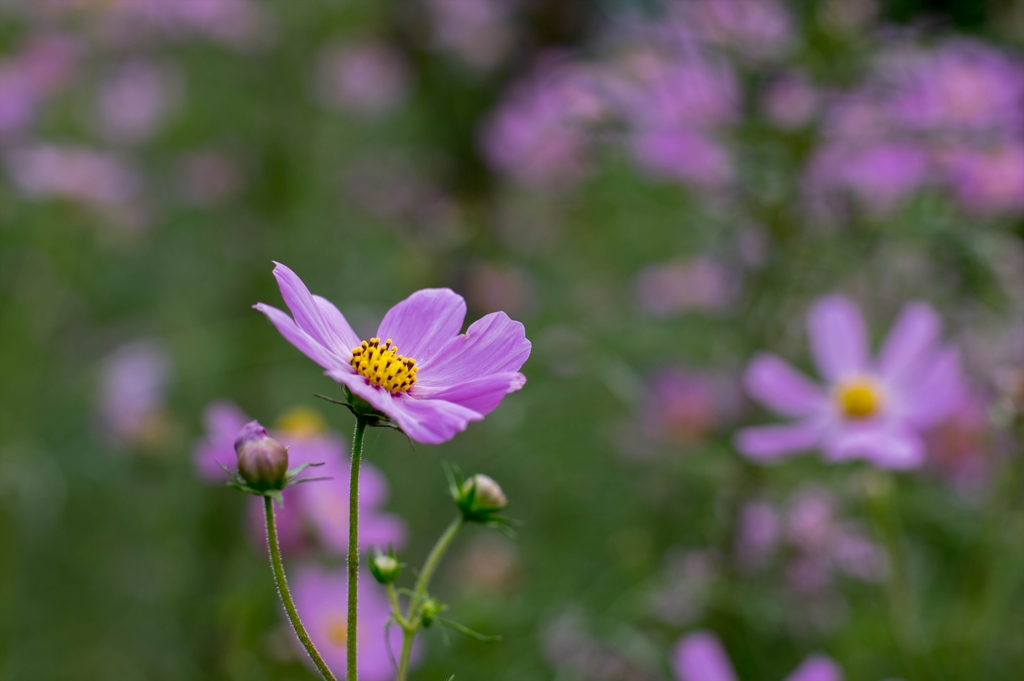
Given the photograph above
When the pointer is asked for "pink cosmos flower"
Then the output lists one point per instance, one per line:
(321, 597)
(133, 392)
(440, 382)
(873, 409)
(700, 656)
(366, 78)
(319, 509)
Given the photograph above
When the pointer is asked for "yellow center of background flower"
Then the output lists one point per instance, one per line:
(859, 398)
(301, 422)
(337, 631)
(382, 365)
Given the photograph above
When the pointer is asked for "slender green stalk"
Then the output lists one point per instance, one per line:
(353, 549)
(422, 582)
(286, 596)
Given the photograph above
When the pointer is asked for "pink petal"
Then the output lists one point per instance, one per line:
(421, 324)
(431, 421)
(938, 391)
(493, 344)
(701, 657)
(337, 322)
(300, 339)
(838, 338)
(309, 317)
(482, 394)
(817, 668)
(781, 388)
(379, 399)
(911, 339)
(771, 443)
(879, 444)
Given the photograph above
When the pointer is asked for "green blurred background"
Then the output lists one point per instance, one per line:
(117, 562)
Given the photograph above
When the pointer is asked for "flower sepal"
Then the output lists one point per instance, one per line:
(362, 409)
(291, 478)
(479, 498)
(385, 567)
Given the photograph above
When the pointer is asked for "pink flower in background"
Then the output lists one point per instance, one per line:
(367, 78)
(133, 102)
(685, 405)
(700, 656)
(964, 86)
(479, 31)
(27, 77)
(879, 175)
(758, 535)
(209, 178)
(791, 102)
(48, 171)
(320, 596)
(242, 24)
(317, 509)
(133, 391)
(441, 382)
(491, 287)
(538, 134)
(869, 408)
(757, 29)
(674, 107)
(959, 447)
(671, 288)
(988, 181)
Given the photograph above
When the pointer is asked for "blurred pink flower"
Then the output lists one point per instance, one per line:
(700, 656)
(757, 29)
(790, 102)
(48, 171)
(685, 406)
(320, 597)
(133, 392)
(480, 32)
(988, 181)
(964, 85)
(242, 24)
(491, 287)
(879, 175)
(320, 508)
(678, 286)
(133, 102)
(538, 134)
(209, 178)
(959, 446)
(446, 380)
(364, 78)
(758, 535)
(27, 77)
(873, 409)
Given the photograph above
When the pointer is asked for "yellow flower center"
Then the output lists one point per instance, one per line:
(301, 422)
(382, 365)
(859, 398)
(337, 631)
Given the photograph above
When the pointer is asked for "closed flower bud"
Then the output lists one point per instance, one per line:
(262, 460)
(487, 494)
(431, 609)
(385, 568)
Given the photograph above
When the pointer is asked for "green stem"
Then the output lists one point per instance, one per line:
(353, 549)
(403, 664)
(422, 582)
(286, 596)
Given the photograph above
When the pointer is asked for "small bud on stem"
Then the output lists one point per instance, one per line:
(262, 460)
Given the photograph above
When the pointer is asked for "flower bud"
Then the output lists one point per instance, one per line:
(262, 460)
(487, 494)
(385, 567)
(431, 609)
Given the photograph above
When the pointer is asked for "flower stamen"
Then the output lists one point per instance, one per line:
(381, 365)
(859, 398)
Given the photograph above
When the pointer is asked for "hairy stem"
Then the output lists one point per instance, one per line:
(286, 596)
(353, 549)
